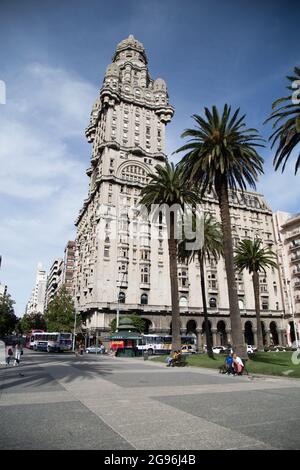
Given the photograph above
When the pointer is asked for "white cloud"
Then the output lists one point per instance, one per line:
(43, 157)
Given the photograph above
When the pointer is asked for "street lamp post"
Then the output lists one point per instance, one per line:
(74, 332)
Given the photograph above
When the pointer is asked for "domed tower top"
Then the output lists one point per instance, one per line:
(130, 48)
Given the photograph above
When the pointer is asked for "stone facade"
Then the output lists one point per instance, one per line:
(54, 280)
(61, 273)
(287, 230)
(121, 261)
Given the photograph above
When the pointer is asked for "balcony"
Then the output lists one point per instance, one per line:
(293, 233)
(144, 285)
(183, 288)
(293, 247)
(123, 259)
(263, 289)
(122, 284)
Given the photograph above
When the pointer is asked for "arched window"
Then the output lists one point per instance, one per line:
(122, 297)
(213, 302)
(134, 173)
(241, 304)
(144, 299)
(183, 302)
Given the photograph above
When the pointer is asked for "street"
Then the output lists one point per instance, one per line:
(59, 401)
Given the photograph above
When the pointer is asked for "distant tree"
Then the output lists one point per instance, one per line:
(166, 188)
(138, 322)
(60, 312)
(210, 249)
(8, 319)
(32, 321)
(253, 257)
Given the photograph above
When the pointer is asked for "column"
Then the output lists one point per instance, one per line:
(281, 336)
(268, 339)
(228, 331)
(254, 331)
(199, 339)
(214, 336)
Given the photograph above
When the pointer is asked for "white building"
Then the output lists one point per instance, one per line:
(54, 280)
(37, 299)
(287, 231)
(117, 255)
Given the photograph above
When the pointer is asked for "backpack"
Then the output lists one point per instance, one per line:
(10, 353)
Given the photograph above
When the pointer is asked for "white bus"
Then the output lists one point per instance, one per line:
(51, 342)
(58, 342)
(162, 344)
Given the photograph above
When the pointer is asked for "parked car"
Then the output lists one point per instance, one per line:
(188, 349)
(277, 349)
(93, 350)
(219, 349)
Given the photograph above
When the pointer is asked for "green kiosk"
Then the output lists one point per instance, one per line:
(124, 341)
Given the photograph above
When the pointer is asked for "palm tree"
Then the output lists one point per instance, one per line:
(211, 248)
(166, 189)
(222, 155)
(252, 256)
(287, 135)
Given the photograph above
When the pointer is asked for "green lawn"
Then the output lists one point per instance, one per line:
(269, 363)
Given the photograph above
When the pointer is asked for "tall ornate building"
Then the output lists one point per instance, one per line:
(121, 260)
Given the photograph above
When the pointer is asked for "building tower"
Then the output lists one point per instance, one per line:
(122, 263)
(37, 299)
(127, 132)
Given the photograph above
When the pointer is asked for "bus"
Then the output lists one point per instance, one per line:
(30, 338)
(162, 344)
(51, 342)
(58, 342)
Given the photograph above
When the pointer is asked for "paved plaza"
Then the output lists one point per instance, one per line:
(100, 402)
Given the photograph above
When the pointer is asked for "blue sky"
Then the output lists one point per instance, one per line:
(53, 58)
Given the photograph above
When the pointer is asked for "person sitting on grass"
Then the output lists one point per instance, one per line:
(229, 364)
(238, 365)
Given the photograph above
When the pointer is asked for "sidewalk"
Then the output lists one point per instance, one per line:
(147, 406)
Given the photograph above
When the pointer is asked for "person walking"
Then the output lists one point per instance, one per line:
(18, 352)
(9, 355)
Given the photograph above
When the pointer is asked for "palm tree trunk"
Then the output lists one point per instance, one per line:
(206, 324)
(235, 317)
(172, 243)
(255, 280)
